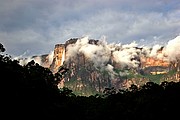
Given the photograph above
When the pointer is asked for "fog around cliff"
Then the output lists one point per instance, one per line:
(126, 55)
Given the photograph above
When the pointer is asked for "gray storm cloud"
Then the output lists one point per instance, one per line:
(37, 24)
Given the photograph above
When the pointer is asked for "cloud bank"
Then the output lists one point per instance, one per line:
(35, 26)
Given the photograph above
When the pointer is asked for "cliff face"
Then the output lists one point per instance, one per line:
(58, 57)
(82, 74)
(94, 66)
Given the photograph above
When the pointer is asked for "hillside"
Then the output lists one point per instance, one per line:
(94, 65)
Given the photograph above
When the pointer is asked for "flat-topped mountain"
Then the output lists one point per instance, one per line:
(95, 65)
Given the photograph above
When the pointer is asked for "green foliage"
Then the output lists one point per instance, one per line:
(66, 92)
(79, 88)
(172, 72)
(154, 78)
(31, 91)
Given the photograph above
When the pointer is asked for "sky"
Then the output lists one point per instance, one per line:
(33, 27)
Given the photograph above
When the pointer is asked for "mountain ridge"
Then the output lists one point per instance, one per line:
(95, 65)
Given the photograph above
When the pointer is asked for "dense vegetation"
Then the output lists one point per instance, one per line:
(31, 92)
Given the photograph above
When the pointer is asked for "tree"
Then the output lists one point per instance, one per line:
(2, 49)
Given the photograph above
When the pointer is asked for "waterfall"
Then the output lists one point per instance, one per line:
(63, 57)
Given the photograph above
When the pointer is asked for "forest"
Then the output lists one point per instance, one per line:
(31, 92)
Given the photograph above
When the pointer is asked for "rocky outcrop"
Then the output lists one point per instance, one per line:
(82, 74)
(86, 76)
(58, 57)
